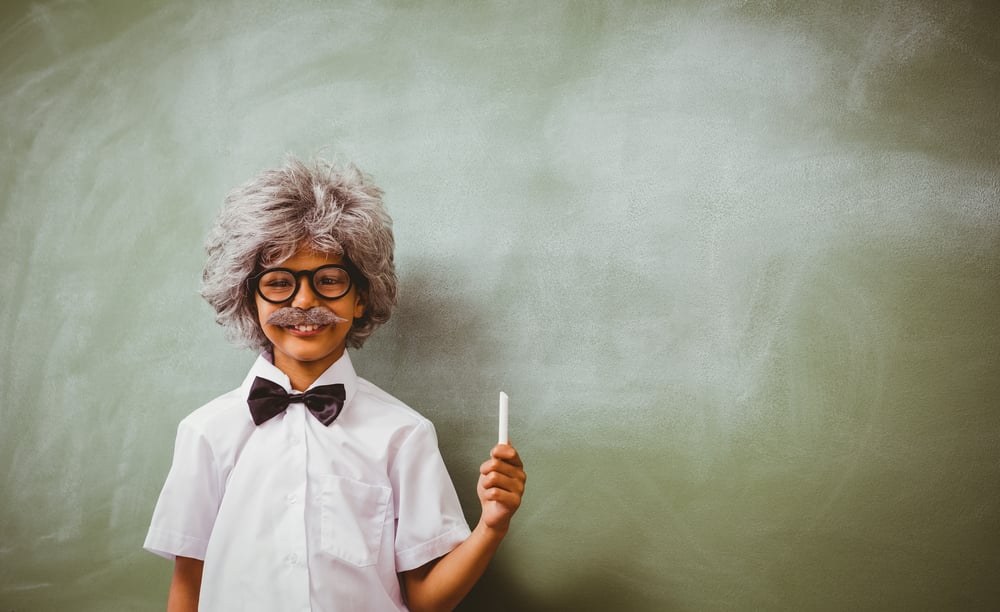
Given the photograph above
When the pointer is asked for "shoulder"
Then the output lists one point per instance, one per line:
(380, 409)
(221, 421)
(220, 410)
(374, 397)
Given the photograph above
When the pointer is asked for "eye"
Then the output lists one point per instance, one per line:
(277, 279)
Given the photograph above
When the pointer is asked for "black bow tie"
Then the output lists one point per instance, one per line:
(268, 399)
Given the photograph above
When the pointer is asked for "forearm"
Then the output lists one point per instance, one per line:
(441, 585)
(185, 585)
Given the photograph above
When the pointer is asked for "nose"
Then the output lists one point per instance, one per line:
(304, 298)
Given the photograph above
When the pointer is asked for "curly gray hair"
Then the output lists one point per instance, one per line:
(329, 208)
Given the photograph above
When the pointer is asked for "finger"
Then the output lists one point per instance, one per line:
(507, 453)
(507, 499)
(496, 480)
(496, 465)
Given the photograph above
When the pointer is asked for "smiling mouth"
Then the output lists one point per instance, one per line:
(305, 329)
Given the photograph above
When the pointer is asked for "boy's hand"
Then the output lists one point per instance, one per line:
(501, 485)
(442, 583)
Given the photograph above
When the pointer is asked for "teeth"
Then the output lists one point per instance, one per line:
(306, 328)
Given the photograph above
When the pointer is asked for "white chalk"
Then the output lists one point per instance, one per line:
(503, 418)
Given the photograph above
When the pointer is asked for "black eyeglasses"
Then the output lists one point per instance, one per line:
(277, 285)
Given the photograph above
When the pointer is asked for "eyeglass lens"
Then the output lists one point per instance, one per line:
(330, 282)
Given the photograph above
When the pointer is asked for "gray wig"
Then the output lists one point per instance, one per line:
(324, 206)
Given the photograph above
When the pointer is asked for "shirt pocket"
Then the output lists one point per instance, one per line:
(353, 519)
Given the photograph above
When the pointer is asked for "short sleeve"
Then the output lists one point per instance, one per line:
(429, 518)
(189, 502)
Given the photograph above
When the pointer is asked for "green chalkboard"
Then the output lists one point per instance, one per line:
(737, 264)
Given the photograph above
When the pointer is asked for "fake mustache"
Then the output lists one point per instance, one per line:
(290, 317)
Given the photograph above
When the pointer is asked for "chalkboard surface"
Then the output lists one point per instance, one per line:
(737, 264)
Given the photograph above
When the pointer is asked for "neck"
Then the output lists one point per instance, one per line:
(301, 374)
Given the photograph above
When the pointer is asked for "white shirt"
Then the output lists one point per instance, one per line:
(292, 515)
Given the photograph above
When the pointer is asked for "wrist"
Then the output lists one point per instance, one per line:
(492, 533)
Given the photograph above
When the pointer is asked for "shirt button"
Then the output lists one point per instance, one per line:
(291, 499)
(292, 559)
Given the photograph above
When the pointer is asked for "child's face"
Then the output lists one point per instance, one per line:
(309, 347)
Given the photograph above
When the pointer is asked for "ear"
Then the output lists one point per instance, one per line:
(360, 301)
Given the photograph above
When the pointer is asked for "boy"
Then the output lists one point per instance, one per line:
(309, 488)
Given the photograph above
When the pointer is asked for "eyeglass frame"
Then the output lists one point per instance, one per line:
(254, 282)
